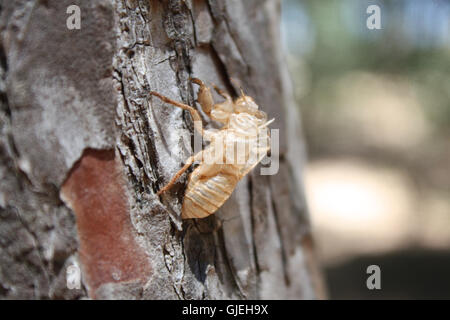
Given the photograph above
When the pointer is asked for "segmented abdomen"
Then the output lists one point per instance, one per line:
(204, 196)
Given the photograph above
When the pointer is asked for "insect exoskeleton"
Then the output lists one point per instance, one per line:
(233, 151)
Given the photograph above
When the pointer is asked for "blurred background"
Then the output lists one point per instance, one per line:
(375, 108)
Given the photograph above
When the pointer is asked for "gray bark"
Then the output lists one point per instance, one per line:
(83, 150)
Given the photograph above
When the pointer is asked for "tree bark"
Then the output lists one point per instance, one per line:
(83, 150)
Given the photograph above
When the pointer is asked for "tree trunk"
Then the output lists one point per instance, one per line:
(83, 150)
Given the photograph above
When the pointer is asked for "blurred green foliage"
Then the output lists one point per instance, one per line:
(332, 39)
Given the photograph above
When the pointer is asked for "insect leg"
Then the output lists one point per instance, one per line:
(188, 163)
(204, 96)
(194, 113)
(222, 93)
(227, 105)
(218, 111)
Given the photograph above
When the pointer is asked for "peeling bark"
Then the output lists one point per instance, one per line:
(83, 150)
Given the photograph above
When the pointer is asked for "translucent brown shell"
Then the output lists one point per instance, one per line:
(212, 182)
(207, 194)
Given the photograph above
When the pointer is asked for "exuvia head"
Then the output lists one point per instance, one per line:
(245, 104)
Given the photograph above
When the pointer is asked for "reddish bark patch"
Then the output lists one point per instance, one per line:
(95, 190)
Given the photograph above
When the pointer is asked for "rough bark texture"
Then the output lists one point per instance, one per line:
(83, 150)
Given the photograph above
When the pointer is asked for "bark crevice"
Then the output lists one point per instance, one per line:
(92, 97)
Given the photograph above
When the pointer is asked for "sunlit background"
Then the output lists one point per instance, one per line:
(375, 110)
